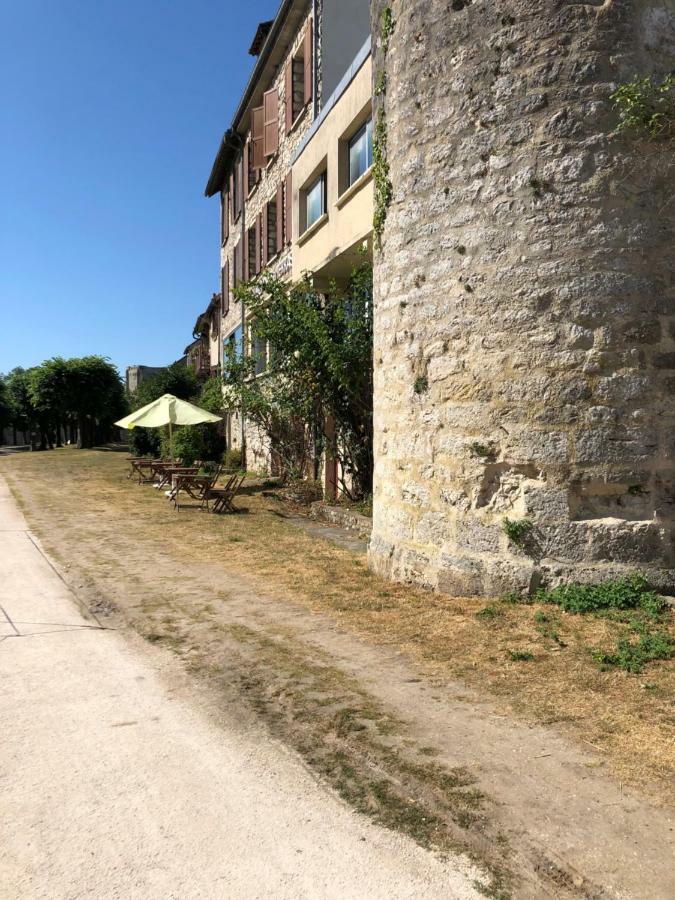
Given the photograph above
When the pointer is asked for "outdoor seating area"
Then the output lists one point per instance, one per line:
(197, 482)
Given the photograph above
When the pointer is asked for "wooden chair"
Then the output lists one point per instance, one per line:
(198, 487)
(222, 497)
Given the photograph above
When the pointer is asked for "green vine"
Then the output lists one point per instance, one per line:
(386, 28)
(646, 108)
(383, 188)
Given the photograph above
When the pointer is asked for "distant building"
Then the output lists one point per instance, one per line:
(137, 374)
(203, 353)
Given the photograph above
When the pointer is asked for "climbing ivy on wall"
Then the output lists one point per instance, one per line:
(646, 107)
(381, 178)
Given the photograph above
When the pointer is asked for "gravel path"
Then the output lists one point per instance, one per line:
(114, 782)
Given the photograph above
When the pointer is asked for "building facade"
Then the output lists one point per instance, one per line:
(524, 330)
(296, 55)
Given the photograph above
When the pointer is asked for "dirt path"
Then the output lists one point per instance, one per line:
(116, 784)
(418, 752)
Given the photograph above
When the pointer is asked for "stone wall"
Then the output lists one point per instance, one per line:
(264, 191)
(524, 331)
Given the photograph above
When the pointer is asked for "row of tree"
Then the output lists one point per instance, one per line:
(62, 401)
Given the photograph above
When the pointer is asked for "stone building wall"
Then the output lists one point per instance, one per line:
(524, 330)
(274, 174)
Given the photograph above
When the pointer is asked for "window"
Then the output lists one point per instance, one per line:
(236, 188)
(225, 217)
(316, 200)
(270, 237)
(361, 152)
(252, 255)
(237, 265)
(258, 352)
(225, 288)
(234, 344)
(298, 81)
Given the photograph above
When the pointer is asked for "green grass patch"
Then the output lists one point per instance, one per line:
(630, 592)
(637, 648)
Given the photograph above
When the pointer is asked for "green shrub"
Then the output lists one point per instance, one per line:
(145, 442)
(646, 107)
(195, 442)
(630, 592)
(233, 460)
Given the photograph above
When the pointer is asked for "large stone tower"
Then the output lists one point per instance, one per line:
(524, 328)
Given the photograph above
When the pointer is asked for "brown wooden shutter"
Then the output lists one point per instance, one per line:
(289, 209)
(264, 240)
(240, 183)
(280, 217)
(309, 60)
(247, 169)
(288, 95)
(226, 215)
(244, 259)
(258, 243)
(270, 122)
(231, 195)
(225, 288)
(257, 130)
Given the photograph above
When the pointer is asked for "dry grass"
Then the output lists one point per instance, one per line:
(80, 501)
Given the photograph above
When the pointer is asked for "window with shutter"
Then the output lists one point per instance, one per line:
(236, 274)
(288, 96)
(308, 57)
(264, 236)
(225, 288)
(279, 219)
(225, 217)
(270, 122)
(231, 194)
(240, 183)
(288, 218)
(258, 243)
(246, 169)
(257, 130)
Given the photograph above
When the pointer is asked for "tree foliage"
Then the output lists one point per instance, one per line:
(316, 393)
(65, 399)
(190, 442)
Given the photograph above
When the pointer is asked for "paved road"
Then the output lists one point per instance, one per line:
(114, 785)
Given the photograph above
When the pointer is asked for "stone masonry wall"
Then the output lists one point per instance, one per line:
(257, 450)
(524, 330)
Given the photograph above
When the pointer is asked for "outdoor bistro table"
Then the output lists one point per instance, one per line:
(139, 467)
(193, 484)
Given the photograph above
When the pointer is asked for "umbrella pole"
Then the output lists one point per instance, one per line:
(170, 441)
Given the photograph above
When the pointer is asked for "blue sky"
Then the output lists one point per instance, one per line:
(110, 115)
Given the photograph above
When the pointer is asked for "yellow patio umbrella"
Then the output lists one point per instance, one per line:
(167, 410)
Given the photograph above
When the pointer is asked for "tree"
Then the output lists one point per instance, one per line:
(23, 416)
(5, 407)
(204, 442)
(319, 373)
(177, 379)
(50, 394)
(97, 397)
